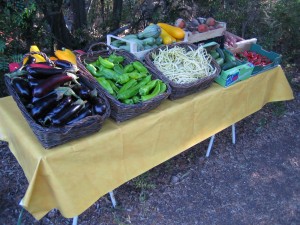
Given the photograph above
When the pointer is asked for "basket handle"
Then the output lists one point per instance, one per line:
(39, 53)
(90, 52)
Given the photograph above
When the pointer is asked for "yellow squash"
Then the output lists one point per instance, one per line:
(176, 32)
(38, 58)
(166, 38)
(66, 54)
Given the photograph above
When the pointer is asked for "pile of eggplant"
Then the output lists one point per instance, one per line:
(55, 94)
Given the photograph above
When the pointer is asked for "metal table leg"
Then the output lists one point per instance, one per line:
(233, 133)
(75, 220)
(113, 200)
(212, 138)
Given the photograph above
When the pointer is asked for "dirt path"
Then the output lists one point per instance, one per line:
(255, 181)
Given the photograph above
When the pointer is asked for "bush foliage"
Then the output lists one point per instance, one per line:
(275, 23)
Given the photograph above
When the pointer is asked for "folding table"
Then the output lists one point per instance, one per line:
(73, 176)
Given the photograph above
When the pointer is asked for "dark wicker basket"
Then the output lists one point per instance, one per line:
(50, 137)
(181, 90)
(120, 111)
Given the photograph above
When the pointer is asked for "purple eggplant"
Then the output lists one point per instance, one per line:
(34, 82)
(63, 64)
(43, 106)
(82, 91)
(67, 114)
(63, 103)
(81, 115)
(22, 88)
(50, 84)
(43, 73)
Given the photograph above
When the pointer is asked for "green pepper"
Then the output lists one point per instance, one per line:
(147, 88)
(113, 86)
(106, 63)
(153, 94)
(115, 58)
(128, 101)
(139, 67)
(128, 85)
(128, 68)
(105, 84)
(122, 79)
(163, 87)
(136, 75)
(110, 74)
(134, 90)
(119, 69)
(136, 99)
(91, 68)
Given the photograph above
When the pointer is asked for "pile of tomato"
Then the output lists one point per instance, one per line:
(253, 57)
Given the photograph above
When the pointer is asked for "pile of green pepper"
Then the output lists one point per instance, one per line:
(130, 84)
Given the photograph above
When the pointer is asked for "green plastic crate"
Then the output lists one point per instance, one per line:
(273, 56)
(235, 74)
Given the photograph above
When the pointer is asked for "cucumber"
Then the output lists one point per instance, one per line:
(214, 54)
(228, 65)
(229, 57)
(220, 61)
(221, 53)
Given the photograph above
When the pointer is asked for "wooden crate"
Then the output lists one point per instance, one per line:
(193, 37)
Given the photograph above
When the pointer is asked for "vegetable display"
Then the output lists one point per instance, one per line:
(152, 36)
(128, 83)
(253, 57)
(224, 58)
(54, 93)
(198, 24)
(183, 66)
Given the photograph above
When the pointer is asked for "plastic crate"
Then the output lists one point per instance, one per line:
(235, 74)
(133, 46)
(194, 37)
(273, 56)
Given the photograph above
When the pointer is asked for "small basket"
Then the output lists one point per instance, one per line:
(182, 90)
(50, 137)
(120, 111)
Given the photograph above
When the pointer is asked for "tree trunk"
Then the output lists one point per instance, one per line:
(79, 14)
(116, 14)
(52, 10)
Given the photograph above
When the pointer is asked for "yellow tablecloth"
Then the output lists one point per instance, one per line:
(71, 177)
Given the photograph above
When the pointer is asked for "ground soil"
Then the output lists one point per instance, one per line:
(255, 181)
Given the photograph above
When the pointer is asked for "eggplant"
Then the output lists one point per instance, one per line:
(63, 103)
(68, 113)
(98, 106)
(99, 109)
(50, 84)
(82, 91)
(81, 115)
(43, 106)
(34, 82)
(41, 65)
(22, 88)
(43, 73)
(64, 64)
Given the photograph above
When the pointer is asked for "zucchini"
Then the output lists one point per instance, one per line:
(214, 54)
(229, 57)
(221, 53)
(149, 41)
(152, 30)
(228, 65)
(220, 61)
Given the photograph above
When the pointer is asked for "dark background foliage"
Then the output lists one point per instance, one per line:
(76, 24)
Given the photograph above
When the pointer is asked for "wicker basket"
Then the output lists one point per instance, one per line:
(120, 111)
(50, 137)
(181, 90)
